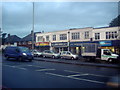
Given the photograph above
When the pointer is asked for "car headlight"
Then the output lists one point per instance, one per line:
(24, 54)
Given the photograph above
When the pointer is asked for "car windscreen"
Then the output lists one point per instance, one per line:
(24, 49)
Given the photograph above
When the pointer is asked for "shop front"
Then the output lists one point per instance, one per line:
(75, 47)
(59, 46)
(41, 46)
(113, 45)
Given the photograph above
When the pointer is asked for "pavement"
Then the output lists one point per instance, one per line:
(78, 62)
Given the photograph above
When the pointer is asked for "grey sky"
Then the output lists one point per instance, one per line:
(52, 16)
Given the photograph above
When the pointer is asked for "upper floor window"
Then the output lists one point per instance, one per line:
(54, 37)
(87, 35)
(111, 35)
(76, 35)
(40, 38)
(63, 36)
(47, 38)
(97, 36)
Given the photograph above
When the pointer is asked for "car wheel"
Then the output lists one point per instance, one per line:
(53, 57)
(20, 58)
(110, 60)
(72, 58)
(30, 60)
(44, 56)
(7, 58)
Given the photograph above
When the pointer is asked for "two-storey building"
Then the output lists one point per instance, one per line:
(106, 37)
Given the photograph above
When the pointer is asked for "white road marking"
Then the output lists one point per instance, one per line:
(88, 74)
(16, 67)
(22, 68)
(9, 66)
(29, 65)
(44, 69)
(77, 75)
(36, 66)
(76, 78)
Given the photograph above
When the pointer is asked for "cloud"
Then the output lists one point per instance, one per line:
(51, 16)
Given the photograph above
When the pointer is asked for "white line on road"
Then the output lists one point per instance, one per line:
(76, 78)
(88, 74)
(16, 67)
(44, 69)
(36, 66)
(77, 75)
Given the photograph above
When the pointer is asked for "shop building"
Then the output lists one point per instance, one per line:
(109, 38)
(72, 39)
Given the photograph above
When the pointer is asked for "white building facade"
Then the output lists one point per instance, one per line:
(107, 37)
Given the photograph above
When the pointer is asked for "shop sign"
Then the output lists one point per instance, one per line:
(58, 44)
(75, 44)
(105, 43)
(78, 44)
(42, 44)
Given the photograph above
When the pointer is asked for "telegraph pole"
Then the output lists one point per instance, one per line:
(33, 29)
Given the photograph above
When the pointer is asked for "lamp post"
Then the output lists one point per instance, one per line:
(68, 41)
(33, 29)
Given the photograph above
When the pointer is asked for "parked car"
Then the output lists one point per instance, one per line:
(68, 55)
(18, 52)
(49, 53)
(36, 53)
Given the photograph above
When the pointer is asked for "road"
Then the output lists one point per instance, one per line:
(41, 74)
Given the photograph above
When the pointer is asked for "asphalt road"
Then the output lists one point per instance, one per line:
(41, 74)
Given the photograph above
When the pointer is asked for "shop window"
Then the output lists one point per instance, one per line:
(63, 36)
(97, 36)
(87, 35)
(76, 35)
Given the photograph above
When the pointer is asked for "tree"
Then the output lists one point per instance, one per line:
(115, 22)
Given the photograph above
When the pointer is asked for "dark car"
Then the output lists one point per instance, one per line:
(18, 52)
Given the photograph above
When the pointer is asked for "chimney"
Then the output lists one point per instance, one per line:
(31, 31)
(8, 35)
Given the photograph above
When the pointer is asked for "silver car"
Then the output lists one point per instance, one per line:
(68, 55)
(49, 53)
(36, 53)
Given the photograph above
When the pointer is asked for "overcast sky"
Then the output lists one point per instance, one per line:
(53, 16)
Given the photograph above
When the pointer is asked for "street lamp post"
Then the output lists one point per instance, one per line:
(33, 29)
(68, 41)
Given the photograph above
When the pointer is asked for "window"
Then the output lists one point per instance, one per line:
(40, 38)
(87, 35)
(47, 38)
(76, 35)
(54, 37)
(106, 52)
(63, 36)
(97, 36)
(111, 35)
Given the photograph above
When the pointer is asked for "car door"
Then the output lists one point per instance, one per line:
(49, 54)
(68, 55)
(105, 54)
(13, 52)
(63, 54)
